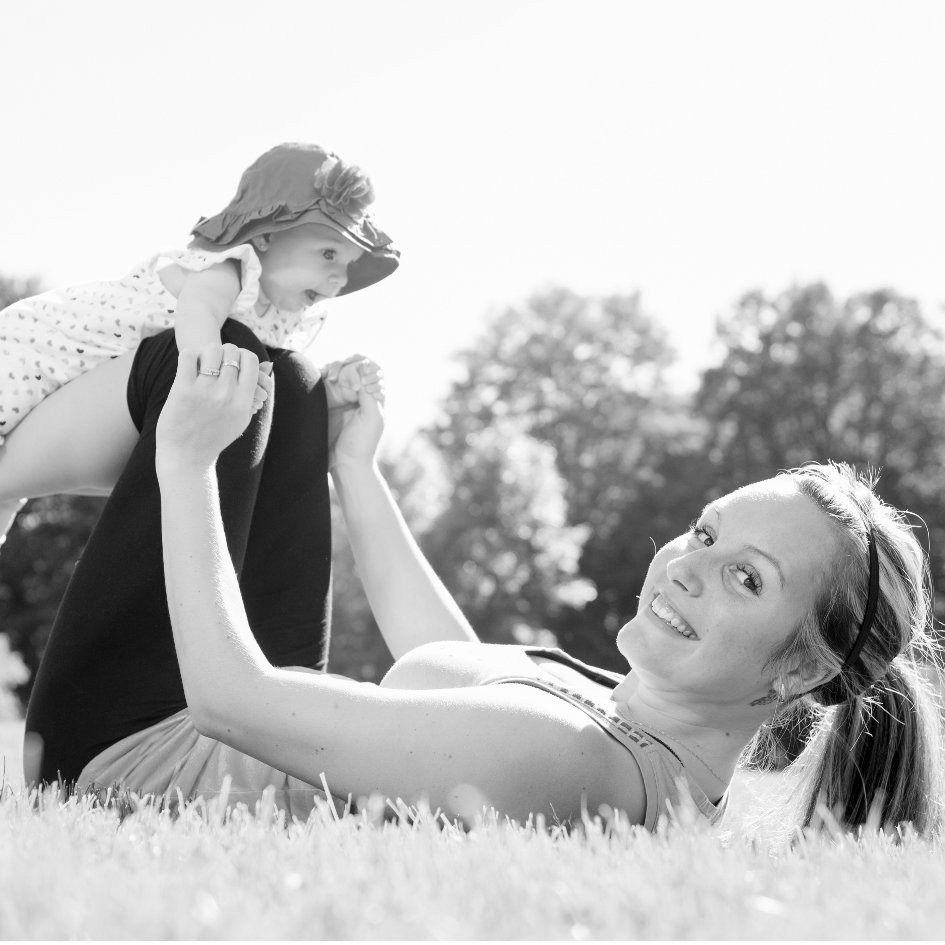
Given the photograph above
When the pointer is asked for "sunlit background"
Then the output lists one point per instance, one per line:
(688, 150)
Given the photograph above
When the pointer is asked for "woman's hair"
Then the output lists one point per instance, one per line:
(875, 752)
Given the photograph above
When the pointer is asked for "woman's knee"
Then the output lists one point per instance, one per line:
(294, 372)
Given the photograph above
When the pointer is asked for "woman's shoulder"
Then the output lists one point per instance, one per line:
(446, 664)
(581, 756)
(449, 663)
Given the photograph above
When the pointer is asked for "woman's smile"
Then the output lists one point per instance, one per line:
(670, 616)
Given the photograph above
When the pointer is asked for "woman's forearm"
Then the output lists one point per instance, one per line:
(408, 600)
(218, 655)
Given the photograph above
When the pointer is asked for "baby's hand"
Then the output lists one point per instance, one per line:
(344, 380)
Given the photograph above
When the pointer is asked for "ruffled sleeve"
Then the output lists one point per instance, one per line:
(196, 260)
(295, 330)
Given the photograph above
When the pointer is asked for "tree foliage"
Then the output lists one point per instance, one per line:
(13, 674)
(12, 290)
(805, 377)
(36, 563)
(587, 377)
(503, 545)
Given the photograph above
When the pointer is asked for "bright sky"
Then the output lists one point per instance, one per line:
(691, 150)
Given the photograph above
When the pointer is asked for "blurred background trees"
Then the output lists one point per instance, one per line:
(806, 377)
(586, 378)
(567, 448)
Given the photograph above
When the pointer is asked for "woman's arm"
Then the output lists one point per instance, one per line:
(508, 747)
(511, 747)
(408, 600)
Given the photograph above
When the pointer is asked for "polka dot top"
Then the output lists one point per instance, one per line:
(49, 339)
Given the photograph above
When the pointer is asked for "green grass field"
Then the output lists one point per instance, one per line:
(80, 871)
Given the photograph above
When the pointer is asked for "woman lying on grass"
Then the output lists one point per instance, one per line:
(801, 589)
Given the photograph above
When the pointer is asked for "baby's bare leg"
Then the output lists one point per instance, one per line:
(76, 441)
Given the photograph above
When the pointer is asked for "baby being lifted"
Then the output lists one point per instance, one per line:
(297, 232)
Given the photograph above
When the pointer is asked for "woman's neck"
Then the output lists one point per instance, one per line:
(716, 734)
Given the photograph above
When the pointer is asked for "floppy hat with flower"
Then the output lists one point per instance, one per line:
(292, 184)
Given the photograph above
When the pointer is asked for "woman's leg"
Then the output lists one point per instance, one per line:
(110, 668)
(286, 578)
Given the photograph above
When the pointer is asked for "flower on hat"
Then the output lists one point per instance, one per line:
(345, 187)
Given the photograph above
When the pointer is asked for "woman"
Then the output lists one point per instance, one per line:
(804, 587)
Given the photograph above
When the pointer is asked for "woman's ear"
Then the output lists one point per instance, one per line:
(262, 242)
(806, 675)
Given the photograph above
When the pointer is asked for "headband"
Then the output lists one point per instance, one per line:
(867, 623)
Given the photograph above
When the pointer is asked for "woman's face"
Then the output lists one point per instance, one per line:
(305, 264)
(720, 599)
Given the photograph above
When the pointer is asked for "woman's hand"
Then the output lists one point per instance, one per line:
(211, 357)
(353, 434)
(344, 379)
(204, 412)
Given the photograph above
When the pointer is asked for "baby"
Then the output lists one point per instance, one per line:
(297, 232)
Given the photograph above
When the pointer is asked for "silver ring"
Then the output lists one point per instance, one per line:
(210, 373)
(235, 364)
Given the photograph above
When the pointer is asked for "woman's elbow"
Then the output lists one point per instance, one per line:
(209, 720)
(221, 713)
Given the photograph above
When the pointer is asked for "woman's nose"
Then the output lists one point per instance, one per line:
(684, 573)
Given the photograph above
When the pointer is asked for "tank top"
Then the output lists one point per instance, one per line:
(664, 773)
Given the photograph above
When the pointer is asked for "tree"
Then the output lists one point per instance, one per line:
(503, 546)
(804, 377)
(587, 377)
(13, 673)
(36, 563)
(12, 290)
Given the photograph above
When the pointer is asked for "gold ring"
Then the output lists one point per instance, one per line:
(210, 373)
(235, 364)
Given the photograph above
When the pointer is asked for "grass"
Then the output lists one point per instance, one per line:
(11, 752)
(81, 870)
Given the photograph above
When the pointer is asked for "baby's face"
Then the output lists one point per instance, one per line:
(305, 264)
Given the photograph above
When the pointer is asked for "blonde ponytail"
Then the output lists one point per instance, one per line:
(876, 754)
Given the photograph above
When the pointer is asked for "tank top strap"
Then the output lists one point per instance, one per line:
(605, 677)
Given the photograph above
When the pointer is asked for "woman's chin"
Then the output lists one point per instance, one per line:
(625, 639)
(642, 641)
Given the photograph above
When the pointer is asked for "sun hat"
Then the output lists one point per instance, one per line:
(294, 183)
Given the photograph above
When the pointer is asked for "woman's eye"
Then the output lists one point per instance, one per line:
(702, 535)
(329, 254)
(748, 577)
